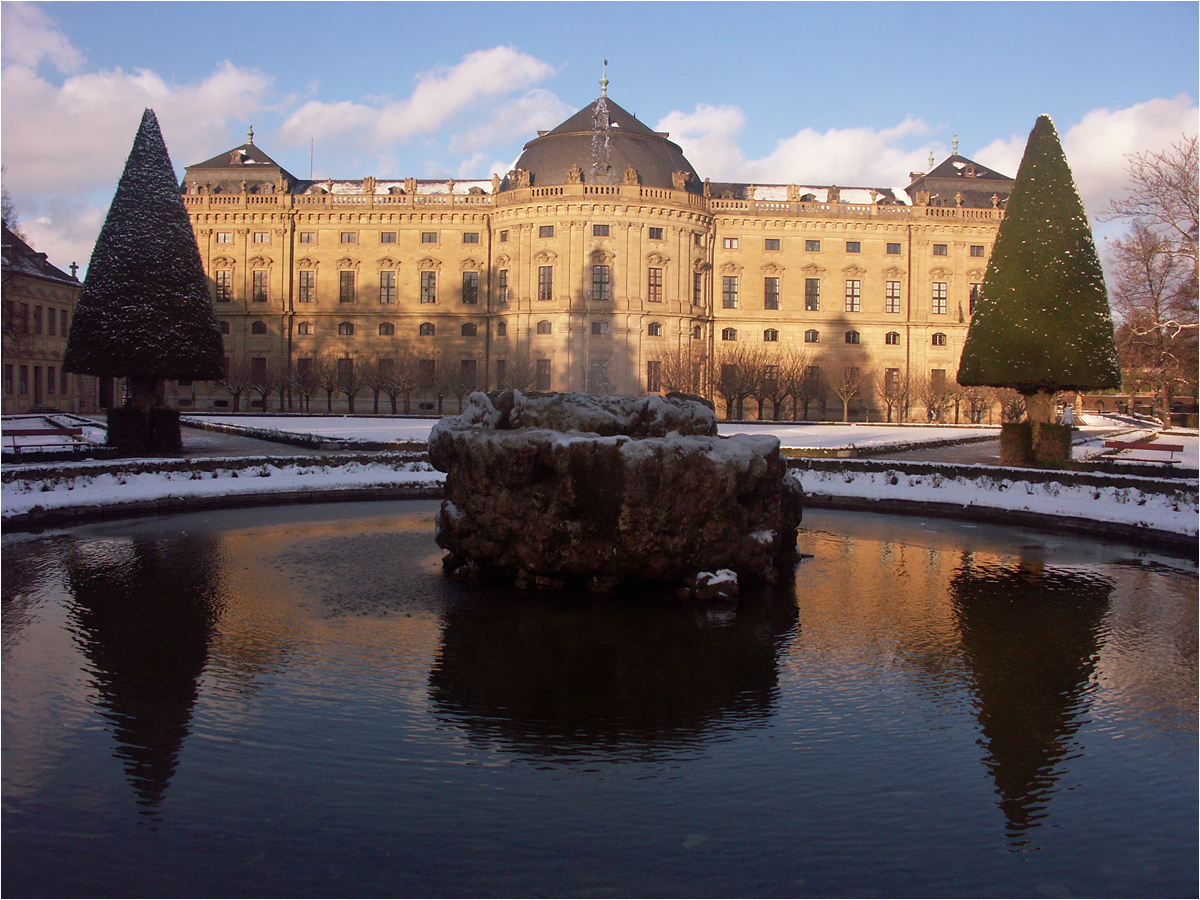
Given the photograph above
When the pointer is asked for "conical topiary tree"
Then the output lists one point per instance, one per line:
(144, 312)
(1042, 323)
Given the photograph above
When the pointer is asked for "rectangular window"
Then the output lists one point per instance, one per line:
(429, 287)
(853, 247)
(697, 239)
(975, 287)
(308, 286)
(729, 243)
(771, 292)
(308, 237)
(853, 295)
(937, 379)
(653, 376)
(600, 288)
(468, 372)
(62, 321)
(543, 375)
(892, 380)
(426, 371)
(8, 378)
(224, 237)
(771, 244)
(387, 287)
(428, 237)
(656, 234)
(940, 249)
(23, 380)
(37, 320)
(545, 282)
(654, 285)
(892, 296)
(345, 287)
(893, 249)
(51, 322)
(470, 291)
(545, 231)
(258, 369)
(224, 280)
(502, 284)
(977, 249)
(698, 288)
(50, 381)
(501, 373)
(262, 237)
(63, 382)
(812, 294)
(261, 280)
(812, 246)
(729, 291)
(387, 237)
(470, 237)
(599, 231)
(348, 237)
(504, 236)
(939, 298)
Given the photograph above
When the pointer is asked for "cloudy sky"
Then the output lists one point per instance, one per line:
(844, 93)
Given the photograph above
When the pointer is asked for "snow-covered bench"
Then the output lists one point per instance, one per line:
(1148, 447)
(73, 434)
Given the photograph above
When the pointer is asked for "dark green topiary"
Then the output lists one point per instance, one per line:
(144, 312)
(1043, 322)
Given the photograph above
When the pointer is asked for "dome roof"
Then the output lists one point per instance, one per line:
(602, 139)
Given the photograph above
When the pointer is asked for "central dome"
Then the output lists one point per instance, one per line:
(603, 140)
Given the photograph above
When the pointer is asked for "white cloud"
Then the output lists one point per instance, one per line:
(29, 36)
(708, 138)
(522, 118)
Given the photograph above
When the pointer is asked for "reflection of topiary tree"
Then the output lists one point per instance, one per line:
(144, 312)
(1043, 322)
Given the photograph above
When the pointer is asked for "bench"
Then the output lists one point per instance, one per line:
(74, 432)
(1150, 447)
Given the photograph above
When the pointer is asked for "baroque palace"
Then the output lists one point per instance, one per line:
(602, 262)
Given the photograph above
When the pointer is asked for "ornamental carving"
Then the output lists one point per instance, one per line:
(368, 185)
(834, 195)
(631, 175)
(700, 265)
(429, 262)
(260, 262)
(940, 274)
(386, 263)
(893, 273)
(793, 192)
(601, 257)
(854, 271)
(657, 260)
(545, 257)
(470, 265)
(347, 263)
(730, 268)
(502, 261)
(410, 185)
(679, 180)
(224, 262)
(307, 262)
(975, 274)
(575, 174)
(812, 271)
(772, 269)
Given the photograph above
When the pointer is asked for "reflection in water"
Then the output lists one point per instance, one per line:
(1031, 638)
(547, 679)
(145, 612)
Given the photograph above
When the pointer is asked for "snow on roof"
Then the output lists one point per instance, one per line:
(426, 186)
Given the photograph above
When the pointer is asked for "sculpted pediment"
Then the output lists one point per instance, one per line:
(307, 262)
(657, 260)
(600, 257)
(940, 274)
(772, 269)
(223, 262)
(545, 257)
(347, 263)
(893, 273)
(813, 271)
(731, 268)
(854, 271)
(469, 264)
(386, 262)
(260, 262)
(429, 262)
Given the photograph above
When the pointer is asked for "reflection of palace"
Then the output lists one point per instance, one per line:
(601, 262)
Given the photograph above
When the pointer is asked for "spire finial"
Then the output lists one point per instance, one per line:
(604, 80)
(250, 135)
(956, 143)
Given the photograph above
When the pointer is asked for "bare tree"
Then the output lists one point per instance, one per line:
(373, 380)
(740, 371)
(238, 380)
(847, 384)
(1012, 405)
(681, 371)
(520, 373)
(351, 372)
(303, 380)
(891, 387)
(808, 387)
(263, 382)
(978, 400)
(934, 393)
(325, 374)
(399, 375)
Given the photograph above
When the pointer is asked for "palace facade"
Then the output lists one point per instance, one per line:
(602, 262)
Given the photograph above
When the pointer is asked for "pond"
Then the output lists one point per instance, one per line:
(294, 701)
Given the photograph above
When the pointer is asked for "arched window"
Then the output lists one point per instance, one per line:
(729, 334)
(939, 340)
(543, 327)
(304, 328)
(470, 329)
(892, 337)
(771, 334)
(851, 337)
(501, 329)
(812, 336)
(258, 327)
(427, 329)
(224, 327)
(654, 329)
(387, 329)
(346, 328)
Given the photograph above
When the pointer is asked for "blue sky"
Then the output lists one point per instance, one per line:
(846, 93)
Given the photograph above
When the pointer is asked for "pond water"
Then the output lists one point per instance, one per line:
(294, 701)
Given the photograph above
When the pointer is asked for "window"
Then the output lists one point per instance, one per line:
(812, 246)
(470, 237)
(504, 236)
(853, 295)
(345, 368)
(600, 290)
(258, 369)
(654, 284)
(729, 334)
(51, 322)
(302, 328)
(853, 247)
(771, 244)
(470, 329)
(698, 288)
(600, 328)
(502, 286)
(345, 287)
(771, 292)
(8, 378)
(387, 366)
(470, 291)
(63, 383)
(224, 237)
(545, 282)
(937, 378)
(892, 338)
(224, 326)
(599, 231)
(308, 237)
(893, 249)
(261, 280)
(501, 329)
(304, 367)
(939, 249)
(729, 243)
(654, 329)
(812, 336)
(812, 294)
(62, 322)
(543, 375)
(543, 327)
(262, 237)
(428, 237)
(308, 286)
(468, 372)
(258, 327)
(656, 234)
(387, 237)
(545, 231)
(348, 237)
(429, 287)
(977, 249)
(23, 380)
(697, 332)
(653, 376)
(387, 287)
(426, 371)
(50, 373)
(224, 280)
(939, 339)
(771, 335)
(345, 328)
(427, 329)
(37, 320)
(939, 298)
(891, 380)
(892, 297)
(697, 239)
(386, 329)
(975, 288)
(852, 337)
(729, 291)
